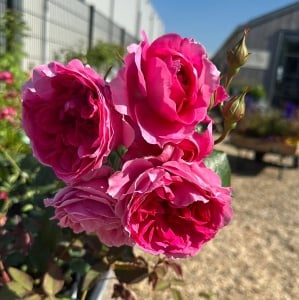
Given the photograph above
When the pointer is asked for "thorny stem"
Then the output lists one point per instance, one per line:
(229, 77)
(226, 131)
(221, 138)
(108, 72)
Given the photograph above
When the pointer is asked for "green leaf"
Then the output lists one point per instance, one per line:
(22, 278)
(206, 295)
(122, 253)
(33, 297)
(161, 270)
(162, 285)
(7, 294)
(16, 288)
(90, 279)
(176, 294)
(53, 281)
(219, 163)
(27, 207)
(177, 282)
(79, 266)
(127, 272)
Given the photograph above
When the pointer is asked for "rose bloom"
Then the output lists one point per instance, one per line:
(165, 87)
(7, 77)
(3, 195)
(171, 208)
(194, 147)
(66, 117)
(8, 113)
(85, 206)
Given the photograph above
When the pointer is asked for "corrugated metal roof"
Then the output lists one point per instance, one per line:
(272, 15)
(259, 20)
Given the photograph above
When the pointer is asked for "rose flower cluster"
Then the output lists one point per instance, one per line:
(130, 151)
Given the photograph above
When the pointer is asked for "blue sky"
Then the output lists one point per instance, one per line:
(210, 22)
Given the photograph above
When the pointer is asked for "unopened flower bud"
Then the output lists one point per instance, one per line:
(238, 55)
(233, 110)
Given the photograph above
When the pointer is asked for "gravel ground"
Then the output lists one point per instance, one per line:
(257, 255)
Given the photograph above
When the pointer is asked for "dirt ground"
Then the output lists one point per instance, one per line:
(256, 257)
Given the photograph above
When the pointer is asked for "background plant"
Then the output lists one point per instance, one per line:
(102, 56)
(268, 124)
(13, 29)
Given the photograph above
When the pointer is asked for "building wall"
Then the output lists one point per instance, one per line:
(55, 25)
(133, 15)
(263, 42)
(150, 21)
(264, 45)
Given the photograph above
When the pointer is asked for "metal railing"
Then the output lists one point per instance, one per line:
(55, 25)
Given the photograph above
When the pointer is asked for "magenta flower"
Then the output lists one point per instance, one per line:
(165, 87)
(7, 77)
(194, 147)
(3, 195)
(85, 206)
(171, 207)
(66, 117)
(8, 113)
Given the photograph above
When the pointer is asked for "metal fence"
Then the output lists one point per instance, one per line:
(2, 40)
(55, 25)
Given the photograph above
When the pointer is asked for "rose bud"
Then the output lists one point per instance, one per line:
(238, 55)
(233, 111)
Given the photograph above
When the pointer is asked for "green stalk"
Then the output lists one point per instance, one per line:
(11, 160)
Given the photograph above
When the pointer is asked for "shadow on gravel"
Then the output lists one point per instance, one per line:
(252, 167)
(245, 166)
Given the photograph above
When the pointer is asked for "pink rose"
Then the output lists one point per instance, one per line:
(199, 145)
(170, 207)
(219, 96)
(165, 87)
(193, 148)
(66, 117)
(6, 76)
(8, 113)
(123, 132)
(3, 195)
(85, 206)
